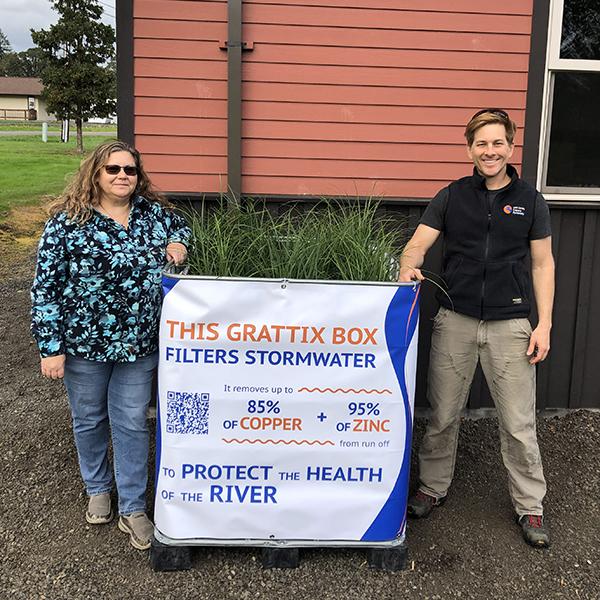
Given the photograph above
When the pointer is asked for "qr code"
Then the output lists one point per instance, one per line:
(187, 412)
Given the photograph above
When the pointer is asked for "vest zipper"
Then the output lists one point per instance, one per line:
(487, 248)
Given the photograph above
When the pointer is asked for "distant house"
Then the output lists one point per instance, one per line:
(20, 99)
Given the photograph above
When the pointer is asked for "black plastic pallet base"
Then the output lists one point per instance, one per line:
(170, 558)
(179, 558)
(280, 558)
(388, 559)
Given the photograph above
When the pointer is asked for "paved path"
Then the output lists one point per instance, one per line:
(38, 133)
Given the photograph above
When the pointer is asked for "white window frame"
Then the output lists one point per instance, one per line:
(555, 64)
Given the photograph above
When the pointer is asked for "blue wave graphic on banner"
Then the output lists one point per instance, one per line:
(168, 283)
(400, 325)
(158, 448)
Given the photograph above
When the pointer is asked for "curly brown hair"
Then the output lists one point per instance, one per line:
(82, 193)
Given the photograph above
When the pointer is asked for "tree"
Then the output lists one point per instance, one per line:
(10, 65)
(5, 46)
(77, 82)
(29, 63)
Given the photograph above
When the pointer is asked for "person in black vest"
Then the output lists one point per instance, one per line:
(492, 222)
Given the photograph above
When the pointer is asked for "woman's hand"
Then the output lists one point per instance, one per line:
(176, 252)
(53, 367)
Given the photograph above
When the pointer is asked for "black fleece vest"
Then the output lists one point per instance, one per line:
(486, 266)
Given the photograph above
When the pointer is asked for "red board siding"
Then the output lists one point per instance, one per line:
(340, 97)
(508, 7)
(333, 55)
(181, 105)
(216, 146)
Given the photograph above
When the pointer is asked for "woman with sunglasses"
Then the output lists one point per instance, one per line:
(96, 301)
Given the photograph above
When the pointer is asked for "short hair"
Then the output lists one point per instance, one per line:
(82, 193)
(487, 116)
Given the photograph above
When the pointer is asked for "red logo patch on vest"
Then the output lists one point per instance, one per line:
(508, 209)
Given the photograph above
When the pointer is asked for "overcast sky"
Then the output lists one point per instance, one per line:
(17, 17)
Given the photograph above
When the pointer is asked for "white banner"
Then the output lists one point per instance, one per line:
(285, 409)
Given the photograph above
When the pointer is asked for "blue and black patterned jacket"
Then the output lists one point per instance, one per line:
(97, 289)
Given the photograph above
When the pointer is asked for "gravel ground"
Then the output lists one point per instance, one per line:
(469, 548)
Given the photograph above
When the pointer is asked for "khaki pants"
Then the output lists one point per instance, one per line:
(457, 343)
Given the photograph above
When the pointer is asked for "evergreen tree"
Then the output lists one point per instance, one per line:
(77, 82)
(5, 46)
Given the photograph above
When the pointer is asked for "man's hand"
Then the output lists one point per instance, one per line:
(53, 367)
(176, 252)
(408, 274)
(539, 344)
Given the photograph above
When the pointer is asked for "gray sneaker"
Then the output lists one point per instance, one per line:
(534, 531)
(99, 509)
(140, 529)
(421, 504)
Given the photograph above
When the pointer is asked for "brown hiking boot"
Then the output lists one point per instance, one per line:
(534, 531)
(421, 504)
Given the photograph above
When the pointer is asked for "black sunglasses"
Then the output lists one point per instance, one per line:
(494, 111)
(115, 169)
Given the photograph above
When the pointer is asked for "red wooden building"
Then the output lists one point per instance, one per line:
(295, 100)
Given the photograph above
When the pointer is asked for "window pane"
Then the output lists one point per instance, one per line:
(574, 152)
(581, 30)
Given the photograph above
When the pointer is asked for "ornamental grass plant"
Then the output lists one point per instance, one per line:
(333, 240)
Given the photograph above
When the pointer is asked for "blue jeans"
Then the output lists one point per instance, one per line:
(115, 395)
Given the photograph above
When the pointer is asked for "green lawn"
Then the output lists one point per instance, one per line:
(10, 125)
(30, 168)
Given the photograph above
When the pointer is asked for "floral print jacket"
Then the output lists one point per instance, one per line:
(97, 290)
